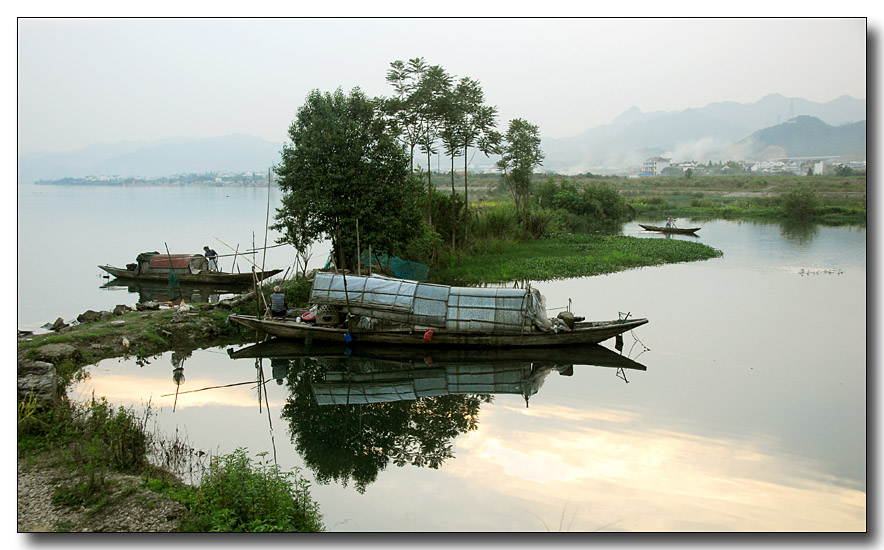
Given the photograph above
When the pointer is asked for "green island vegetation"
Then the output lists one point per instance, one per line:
(347, 175)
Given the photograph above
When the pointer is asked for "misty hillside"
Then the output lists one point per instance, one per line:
(702, 134)
(807, 136)
(233, 153)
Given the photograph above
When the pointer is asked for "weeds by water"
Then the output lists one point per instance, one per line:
(93, 440)
(238, 494)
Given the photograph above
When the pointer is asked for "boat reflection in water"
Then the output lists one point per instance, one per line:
(163, 292)
(351, 413)
(386, 374)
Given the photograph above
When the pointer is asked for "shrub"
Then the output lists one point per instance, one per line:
(239, 495)
(495, 222)
(799, 204)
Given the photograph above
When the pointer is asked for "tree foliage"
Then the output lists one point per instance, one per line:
(519, 154)
(799, 204)
(345, 167)
(428, 108)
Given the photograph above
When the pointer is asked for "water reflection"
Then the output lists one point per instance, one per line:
(801, 233)
(165, 292)
(352, 412)
(178, 358)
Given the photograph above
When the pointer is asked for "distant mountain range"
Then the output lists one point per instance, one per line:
(718, 131)
(773, 127)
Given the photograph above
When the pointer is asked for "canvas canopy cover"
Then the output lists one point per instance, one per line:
(433, 306)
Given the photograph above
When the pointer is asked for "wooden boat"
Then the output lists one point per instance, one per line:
(188, 268)
(583, 333)
(675, 230)
(380, 310)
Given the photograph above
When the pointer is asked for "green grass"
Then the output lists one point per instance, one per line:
(829, 210)
(567, 256)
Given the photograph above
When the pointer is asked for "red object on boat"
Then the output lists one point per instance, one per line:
(308, 317)
(428, 336)
(176, 261)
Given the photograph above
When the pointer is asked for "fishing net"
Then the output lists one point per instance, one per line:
(404, 269)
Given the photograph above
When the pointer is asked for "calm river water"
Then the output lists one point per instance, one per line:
(748, 411)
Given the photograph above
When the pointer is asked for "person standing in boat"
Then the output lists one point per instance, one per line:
(212, 256)
(670, 222)
(278, 305)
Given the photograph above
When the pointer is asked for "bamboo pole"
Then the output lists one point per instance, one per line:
(266, 223)
(233, 266)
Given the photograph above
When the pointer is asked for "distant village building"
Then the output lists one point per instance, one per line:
(655, 165)
(685, 166)
(772, 167)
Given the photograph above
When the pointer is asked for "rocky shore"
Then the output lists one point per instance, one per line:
(132, 509)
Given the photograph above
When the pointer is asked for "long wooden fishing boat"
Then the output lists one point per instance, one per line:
(675, 230)
(381, 310)
(583, 333)
(187, 268)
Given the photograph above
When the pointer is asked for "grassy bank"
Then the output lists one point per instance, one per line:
(837, 200)
(565, 256)
(828, 210)
(94, 442)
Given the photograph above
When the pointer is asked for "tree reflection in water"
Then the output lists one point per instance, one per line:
(356, 442)
(802, 233)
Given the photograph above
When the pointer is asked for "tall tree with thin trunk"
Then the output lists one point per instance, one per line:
(429, 104)
(404, 77)
(416, 109)
(477, 122)
(519, 154)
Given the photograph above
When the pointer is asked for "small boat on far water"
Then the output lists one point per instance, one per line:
(187, 268)
(676, 230)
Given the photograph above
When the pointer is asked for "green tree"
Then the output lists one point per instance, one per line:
(799, 204)
(343, 167)
(476, 123)
(404, 78)
(429, 102)
(843, 170)
(519, 154)
(417, 109)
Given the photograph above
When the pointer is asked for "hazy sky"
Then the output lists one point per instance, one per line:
(82, 81)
